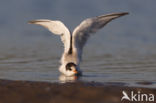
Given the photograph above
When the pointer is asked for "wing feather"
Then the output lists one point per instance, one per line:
(90, 26)
(56, 27)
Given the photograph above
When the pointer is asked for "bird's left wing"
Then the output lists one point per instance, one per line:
(56, 27)
(91, 25)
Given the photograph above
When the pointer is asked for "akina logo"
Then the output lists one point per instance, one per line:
(139, 96)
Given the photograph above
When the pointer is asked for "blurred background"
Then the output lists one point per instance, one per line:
(130, 36)
(133, 32)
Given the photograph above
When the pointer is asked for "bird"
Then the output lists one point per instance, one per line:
(75, 41)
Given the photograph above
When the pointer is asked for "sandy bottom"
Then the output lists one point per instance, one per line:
(77, 92)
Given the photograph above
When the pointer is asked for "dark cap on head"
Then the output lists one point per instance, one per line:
(69, 65)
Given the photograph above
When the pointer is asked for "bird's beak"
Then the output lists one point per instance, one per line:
(75, 71)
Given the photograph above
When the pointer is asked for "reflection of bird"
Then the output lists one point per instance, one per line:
(125, 96)
(74, 42)
(64, 79)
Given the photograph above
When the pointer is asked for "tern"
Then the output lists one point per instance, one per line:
(75, 41)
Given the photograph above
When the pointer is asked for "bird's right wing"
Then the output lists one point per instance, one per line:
(56, 27)
(91, 25)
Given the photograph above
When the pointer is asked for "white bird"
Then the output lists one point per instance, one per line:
(74, 42)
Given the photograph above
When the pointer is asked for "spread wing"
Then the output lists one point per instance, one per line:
(90, 26)
(56, 27)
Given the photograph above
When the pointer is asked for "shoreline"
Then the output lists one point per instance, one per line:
(18, 91)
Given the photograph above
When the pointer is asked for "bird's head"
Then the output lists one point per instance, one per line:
(71, 69)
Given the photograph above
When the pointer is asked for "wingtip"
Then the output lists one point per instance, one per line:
(120, 14)
(31, 22)
(125, 13)
(115, 15)
(38, 20)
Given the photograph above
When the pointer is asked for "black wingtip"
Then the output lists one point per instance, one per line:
(124, 13)
(114, 14)
(31, 22)
(118, 14)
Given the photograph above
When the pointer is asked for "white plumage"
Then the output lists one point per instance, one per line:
(74, 42)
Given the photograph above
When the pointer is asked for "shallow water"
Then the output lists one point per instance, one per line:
(40, 63)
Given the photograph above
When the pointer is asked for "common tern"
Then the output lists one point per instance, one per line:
(75, 41)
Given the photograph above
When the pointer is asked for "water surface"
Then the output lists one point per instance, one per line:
(41, 64)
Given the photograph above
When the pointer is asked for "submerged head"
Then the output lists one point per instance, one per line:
(71, 69)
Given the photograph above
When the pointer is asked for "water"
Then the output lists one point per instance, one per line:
(124, 51)
(40, 63)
